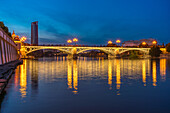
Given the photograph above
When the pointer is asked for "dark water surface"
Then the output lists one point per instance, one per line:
(57, 85)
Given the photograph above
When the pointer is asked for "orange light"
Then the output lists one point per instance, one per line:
(143, 43)
(75, 40)
(118, 41)
(109, 42)
(69, 41)
(154, 42)
(23, 39)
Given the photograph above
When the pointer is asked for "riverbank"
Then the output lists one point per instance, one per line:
(6, 71)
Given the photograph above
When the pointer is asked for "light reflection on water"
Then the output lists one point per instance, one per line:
(69, 76)
(89, 69)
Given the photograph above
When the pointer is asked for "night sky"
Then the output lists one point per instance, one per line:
(91, 21)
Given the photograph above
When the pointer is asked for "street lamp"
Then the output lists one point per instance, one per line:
(75, 40)
(118, 41)
(69, 41)
(23, 39)
(154, 42)
(143, 43)
(109, 42)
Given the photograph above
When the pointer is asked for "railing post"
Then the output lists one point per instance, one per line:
(1, 56)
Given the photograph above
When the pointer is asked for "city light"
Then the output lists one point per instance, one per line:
(69, 41)
(143, 43)
(75, 40)
(118, 41)
(154, 42)
(109, 42)
(23, 39)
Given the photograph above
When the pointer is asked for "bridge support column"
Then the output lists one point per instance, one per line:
(111, 56)
(72, 56)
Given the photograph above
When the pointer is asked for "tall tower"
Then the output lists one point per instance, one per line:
(34, 33)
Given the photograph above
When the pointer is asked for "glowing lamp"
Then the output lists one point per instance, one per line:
(75, 40)
(109, 42)
(143, 43)
(23, 39)
(118, 41)
(69, 41)
(154, 42)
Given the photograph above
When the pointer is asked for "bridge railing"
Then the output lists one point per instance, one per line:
(8, 50)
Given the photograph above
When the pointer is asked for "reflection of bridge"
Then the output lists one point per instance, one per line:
(114, 71)
(71, 51)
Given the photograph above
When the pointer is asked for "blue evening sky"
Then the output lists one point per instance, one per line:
(91, 21)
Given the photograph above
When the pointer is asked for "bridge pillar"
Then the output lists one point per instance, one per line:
(72, 56)
(111, 56)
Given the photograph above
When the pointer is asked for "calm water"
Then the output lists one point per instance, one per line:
(57, 85)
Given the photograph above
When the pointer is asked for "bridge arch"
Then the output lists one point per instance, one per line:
(100, 49)
(144, 50)
(36, 49)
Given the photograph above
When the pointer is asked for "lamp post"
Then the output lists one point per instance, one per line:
(69, 41)
(23, 39)
(75, 40)
(143, 43)
(154, 42)
(109, 42)
(118, 41)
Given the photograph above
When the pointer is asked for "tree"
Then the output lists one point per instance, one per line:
(2, 25)
(168, 47)
(5, 28)
(155, 51)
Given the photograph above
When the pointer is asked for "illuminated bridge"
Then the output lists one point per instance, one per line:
(71, 51)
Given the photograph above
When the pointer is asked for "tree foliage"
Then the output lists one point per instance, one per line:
(168, 47)
(5, 28)
(134, 54)
(155, 51)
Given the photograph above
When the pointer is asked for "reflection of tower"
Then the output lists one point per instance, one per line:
(144, 72)
(118, 78)
(34, 75)
(75, 76)
(163, 69)
(110, 74)
(154, 72)
(69, 74)
(34, 33)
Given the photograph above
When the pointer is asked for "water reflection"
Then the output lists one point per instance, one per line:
(23, 80)
(163, 69)
(115, 72)
(118, 79)
(69, 74)
(75, 76)
(144, 72)
(110, 74)
(154, 72)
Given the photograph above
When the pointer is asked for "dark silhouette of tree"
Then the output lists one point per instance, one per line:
(5, 28)
(155, 51)
(168, 47)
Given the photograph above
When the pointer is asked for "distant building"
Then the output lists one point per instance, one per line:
(34, 33)
(15, 37)
(132, 43)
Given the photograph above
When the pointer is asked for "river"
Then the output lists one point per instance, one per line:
(88, 85)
